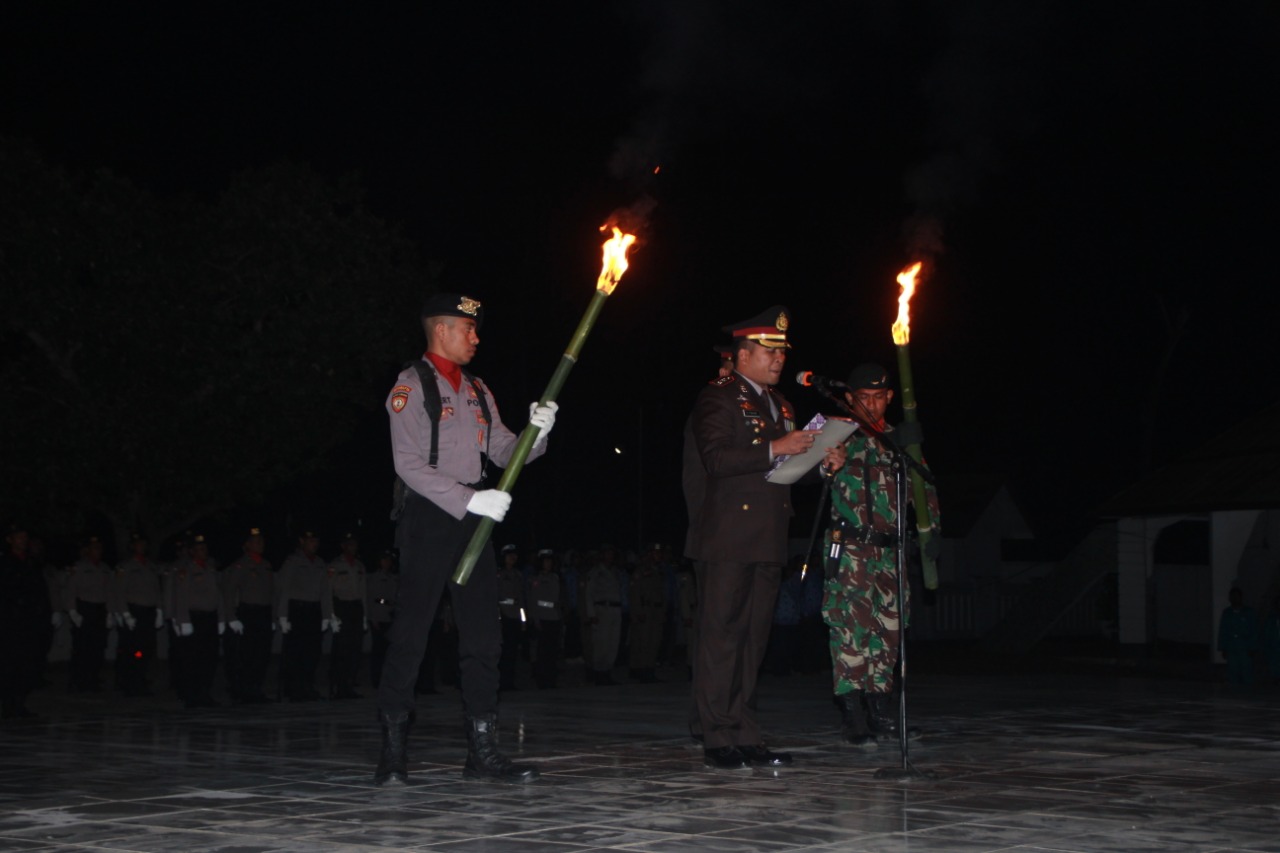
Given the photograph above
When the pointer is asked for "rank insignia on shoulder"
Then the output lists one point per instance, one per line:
(400, 398)
(721, 381)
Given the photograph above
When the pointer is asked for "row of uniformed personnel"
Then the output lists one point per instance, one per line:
(242, 604)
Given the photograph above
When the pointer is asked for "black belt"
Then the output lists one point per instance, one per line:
(874, 538)
(609, 603)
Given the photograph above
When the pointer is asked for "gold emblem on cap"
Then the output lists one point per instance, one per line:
(781, 324)
(469, 306)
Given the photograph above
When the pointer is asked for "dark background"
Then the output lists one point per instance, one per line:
(1092, 185)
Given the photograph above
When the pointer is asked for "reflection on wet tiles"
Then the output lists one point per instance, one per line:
(1158, 765)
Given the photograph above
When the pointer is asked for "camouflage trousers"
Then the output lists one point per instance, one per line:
(860, 606)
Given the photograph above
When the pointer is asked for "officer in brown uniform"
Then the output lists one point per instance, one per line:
(546, 608)
(739, 425)
(380, 603)
(249, 589)
(303, 611)
(198, 621)
(648, 612)
(511, 607)
(347, 591)
(87, 593)
(135, 592)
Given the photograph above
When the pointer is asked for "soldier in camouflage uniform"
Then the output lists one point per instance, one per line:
(860, 604)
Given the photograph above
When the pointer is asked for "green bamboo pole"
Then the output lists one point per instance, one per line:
(609, 276)
(924, 524)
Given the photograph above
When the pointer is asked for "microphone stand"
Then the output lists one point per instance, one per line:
(902, 461)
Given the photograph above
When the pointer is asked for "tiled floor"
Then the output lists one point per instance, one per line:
(1023, 762)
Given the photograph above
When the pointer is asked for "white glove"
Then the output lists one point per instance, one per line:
(222, 628)
(129, 620)
(236, 625)
(186, 629)
(492, 503)
(324, 625)
(335, 624)
(159, 618)
(75, 617)
(543, 417)
(285, 627)
(57, 621)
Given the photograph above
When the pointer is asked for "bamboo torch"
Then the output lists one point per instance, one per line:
(901, 340)
(615, 264)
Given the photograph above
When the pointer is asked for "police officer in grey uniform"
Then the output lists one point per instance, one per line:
(602, 600)
(347, 589)
(380, 603)
(511, 607)
(199, 621)
(88, 586)
(445, 427)
(303, 611)
(249, 590)
(546, 597)
(135, 592)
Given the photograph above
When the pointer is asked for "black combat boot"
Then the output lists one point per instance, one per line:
(853, 721)
(883, 720)
(393, 764)
(484, 761)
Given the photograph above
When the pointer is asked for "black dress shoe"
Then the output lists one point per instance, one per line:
(724, 758)
(761, 756)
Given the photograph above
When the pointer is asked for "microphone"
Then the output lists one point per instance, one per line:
(809, 379)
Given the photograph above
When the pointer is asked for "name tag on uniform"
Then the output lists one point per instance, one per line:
(547, 604)
(507, 601)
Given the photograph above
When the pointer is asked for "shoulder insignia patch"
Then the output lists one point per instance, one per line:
(400, 398)
(721, 381)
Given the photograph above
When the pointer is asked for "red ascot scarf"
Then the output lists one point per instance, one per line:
(448, 369)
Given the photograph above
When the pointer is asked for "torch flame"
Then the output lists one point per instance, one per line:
(615, 260)
(902, 326)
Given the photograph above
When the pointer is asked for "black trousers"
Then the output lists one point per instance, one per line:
(380, 640)
(250, 652)
(431, 541)
(202, 650)
(512, 640)
(88, 645)
(300, 650)
(135, 647)
(546, 667)
(344, 653)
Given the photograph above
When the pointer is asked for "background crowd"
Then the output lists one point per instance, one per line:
(140, 624)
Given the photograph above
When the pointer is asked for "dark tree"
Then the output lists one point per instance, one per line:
(164, 360)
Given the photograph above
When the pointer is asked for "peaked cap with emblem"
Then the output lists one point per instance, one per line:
(453, 305)
(768, 328)
(869, 375)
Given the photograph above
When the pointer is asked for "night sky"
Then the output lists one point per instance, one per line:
(1078, 176)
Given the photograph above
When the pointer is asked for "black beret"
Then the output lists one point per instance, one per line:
(453, 305)
(869, 375)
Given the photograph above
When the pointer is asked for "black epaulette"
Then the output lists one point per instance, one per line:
(721, 381)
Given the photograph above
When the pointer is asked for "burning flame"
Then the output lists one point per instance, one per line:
(615, 260)
(902, 326)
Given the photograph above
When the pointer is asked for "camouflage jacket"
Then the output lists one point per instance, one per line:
(863, 493)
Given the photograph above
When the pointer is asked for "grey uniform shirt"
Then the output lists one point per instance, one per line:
(347, 580)
(88, 581)
(195, 587)
(248, 581)
(302, 579)
(136, 582)
(463, 435)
